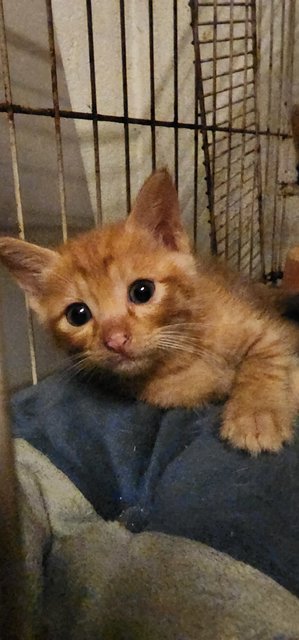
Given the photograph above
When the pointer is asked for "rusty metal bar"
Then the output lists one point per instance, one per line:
(256, 57)
(237, 175)
(208, 94)
(220, 140)
(196, 156)
(221, 4)
(244, 122)
(208, 23)
(275, 240)
(281, 235)
(220, 216)
(94, 109)
(219, 40)
(229, 128)
(125, 100)
(227, 56)
(214, 116)
(58, 138)
(100, 117)
(223, 195)
(269, 96)
(235, 202)
(237, 160)
(176, 96)
(224, 73)
(251, 176)
(252, 257)
(200, 100)
(238, 145)
(235, 102)
(152, 80)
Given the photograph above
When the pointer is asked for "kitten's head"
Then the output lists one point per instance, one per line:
(117, 295)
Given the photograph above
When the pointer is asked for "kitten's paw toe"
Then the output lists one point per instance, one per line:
(256, 432)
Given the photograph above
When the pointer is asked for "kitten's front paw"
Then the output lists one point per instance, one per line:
(256, 431)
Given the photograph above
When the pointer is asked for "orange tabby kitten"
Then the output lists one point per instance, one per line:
(131, 298)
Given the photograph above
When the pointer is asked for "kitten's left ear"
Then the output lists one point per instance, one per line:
(28, 263)
(157, 209)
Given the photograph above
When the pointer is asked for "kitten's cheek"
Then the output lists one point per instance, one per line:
(77, 338)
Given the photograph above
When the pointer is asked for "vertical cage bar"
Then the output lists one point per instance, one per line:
(175, 93)
(55, 96)
(275, 250)
(152, 80)
(282, 226)
(215, 33)
(270, 83)
(16, 174)
(199, 102)
(259, 186)
(252, 226)
(244, 121)
(195, 170)
(269, 88)
(98, 216)
(230, 114)
(125, 100)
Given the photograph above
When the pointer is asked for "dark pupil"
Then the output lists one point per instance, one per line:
(141, 291)
(78, 314)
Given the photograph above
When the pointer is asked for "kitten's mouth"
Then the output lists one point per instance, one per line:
(124, 363)
(123, 357)
(121, 360)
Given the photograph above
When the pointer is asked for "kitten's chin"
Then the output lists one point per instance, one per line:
(128, 366)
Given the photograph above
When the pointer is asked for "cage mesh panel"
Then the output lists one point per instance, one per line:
(225, 59)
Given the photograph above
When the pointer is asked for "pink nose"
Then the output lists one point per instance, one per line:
(117, 341)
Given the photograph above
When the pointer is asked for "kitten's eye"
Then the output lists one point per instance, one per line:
(141, 291)
(78, 314)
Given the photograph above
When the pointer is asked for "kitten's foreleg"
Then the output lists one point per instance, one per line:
(193, 386)
(262, 405)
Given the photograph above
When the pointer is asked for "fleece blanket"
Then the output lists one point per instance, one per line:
(167, 471)
(86, 578)
(118, 499)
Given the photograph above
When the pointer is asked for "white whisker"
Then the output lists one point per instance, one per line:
(169, 347)
(196, 350)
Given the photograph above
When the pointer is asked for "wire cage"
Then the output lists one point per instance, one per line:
(244, 56)
(226, 80)
(97, 94)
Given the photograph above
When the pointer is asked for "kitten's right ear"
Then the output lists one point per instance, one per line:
(28, 263)
(156, 208)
